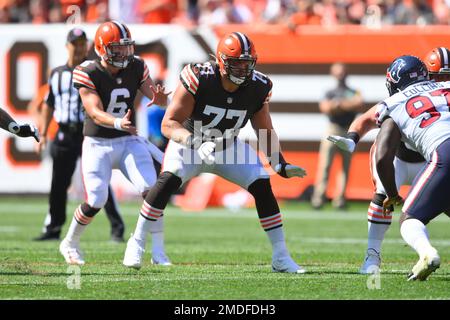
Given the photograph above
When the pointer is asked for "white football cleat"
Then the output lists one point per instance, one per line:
(372, 262)
(286, 264)
(133, 254)
(71, 253)
(427, 264)
(160, 258)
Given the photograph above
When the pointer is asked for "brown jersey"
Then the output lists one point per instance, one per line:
(218, 112)
(117, 92)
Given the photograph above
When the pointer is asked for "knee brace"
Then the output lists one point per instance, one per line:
(166, 185)
(265, 201)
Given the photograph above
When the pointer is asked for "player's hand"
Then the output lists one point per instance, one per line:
(28, 130)
(206, 152)
(127, 125)
(159, 96)
(391, 201)
(41, 145)
(343, 143)
(287, 170)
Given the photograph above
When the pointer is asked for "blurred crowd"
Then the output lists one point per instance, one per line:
(214, 12)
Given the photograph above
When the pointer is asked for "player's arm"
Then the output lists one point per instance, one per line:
(388, 140)
(178, 111)
(156, 94)
(358, 129)
(262, 124)
(9, 124)
(94, 108)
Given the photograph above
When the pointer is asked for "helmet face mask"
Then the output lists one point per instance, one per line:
(238, 70)
(119, 55)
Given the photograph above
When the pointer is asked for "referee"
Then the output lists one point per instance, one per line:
(64, 104)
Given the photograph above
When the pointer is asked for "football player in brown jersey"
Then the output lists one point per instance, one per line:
(108, 88)
(9, 124)
(211, 103)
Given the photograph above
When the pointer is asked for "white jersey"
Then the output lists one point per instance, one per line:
(421, 111)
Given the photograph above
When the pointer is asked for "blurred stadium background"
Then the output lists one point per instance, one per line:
(297, 41)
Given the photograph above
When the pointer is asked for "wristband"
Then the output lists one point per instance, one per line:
(117, 124)
(354, 136)
(13, 128)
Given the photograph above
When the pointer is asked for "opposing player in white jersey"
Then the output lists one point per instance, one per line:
(407, 164)
(108, 88)
(417, 113)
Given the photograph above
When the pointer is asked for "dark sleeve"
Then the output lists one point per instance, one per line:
(50, 97)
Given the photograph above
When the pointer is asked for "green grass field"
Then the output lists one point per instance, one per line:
(217, 254)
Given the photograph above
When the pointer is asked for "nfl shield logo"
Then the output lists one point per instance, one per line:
(230, 100)
(119, 80)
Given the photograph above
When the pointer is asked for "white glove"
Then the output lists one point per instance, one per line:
(343, 143)
(287, 170)
(206, 152)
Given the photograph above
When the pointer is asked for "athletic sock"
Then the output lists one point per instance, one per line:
(415, 233)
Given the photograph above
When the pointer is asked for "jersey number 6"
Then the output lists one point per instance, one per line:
(118, 108)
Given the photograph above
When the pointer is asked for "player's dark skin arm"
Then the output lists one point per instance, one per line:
(388, 141)
(179, 109)
(262, 124)
(5, 120)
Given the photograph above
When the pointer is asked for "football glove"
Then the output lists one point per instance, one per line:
(206, 152)
(343, 143)
(28, 130)
(287, 170)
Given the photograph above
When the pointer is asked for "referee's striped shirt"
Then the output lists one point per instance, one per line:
(63, 97)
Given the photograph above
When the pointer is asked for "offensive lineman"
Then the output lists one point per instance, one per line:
(407, 163)
(108, 88)
(211, 103)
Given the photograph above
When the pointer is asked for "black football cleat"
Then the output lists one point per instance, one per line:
(47, 236)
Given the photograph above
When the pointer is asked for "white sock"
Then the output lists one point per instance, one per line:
(276, 237)
(75, 231)
(142, 229)
(376, 234)
(415, 234)
(157, 232)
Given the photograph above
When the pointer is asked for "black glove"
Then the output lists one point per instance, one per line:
(28, 131)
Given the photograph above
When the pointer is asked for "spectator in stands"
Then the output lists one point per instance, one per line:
(340, 105)
(414, 12)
